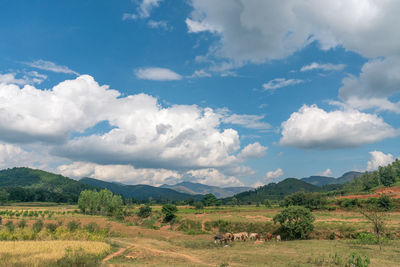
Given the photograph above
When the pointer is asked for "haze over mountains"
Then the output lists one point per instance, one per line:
(325, 180)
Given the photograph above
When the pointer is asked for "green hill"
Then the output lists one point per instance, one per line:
(141, 192)
(276, 191)
(25, 184)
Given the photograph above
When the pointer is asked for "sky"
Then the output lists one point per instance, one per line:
(226, 93)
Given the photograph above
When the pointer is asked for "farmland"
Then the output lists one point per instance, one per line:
(188, 241)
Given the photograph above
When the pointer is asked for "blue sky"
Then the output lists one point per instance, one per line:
(225, 93)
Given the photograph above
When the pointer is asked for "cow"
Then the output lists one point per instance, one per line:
(278, 238)
(223, 238)
(237, 236)
(268, 237)
(255, 236)
(244, 236)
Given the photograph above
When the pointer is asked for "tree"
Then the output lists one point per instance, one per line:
(267, 203)
(210, 200)
(377, 218)
(169, 211)
(198, 205)
(3, 196)
(311, 201)
(144, 211)
(103, 202)
(387, 175)
(295, 222)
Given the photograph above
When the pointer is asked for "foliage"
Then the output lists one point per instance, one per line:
(73, 225)
(21, 224)
(51, 227)
(92, 227)
(102, 203)
(311, 201)
(209, 200)
(37, 226)
(198, 205)
(3, 196)
(378, 219)
(10, 226)
(267, 203)
(144, 211)
(356, 260)
(169, 211)
(295, 222)
(78, 257)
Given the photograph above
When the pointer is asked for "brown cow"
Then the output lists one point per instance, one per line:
(268, 237)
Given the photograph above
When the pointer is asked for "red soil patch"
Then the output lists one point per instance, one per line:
(392, 192)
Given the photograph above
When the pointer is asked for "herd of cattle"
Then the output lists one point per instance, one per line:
(227, 238)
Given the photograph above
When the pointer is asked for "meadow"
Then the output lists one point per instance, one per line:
(75, 238)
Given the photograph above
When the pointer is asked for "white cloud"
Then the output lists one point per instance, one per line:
(143, 10)
(31, 77)
(314, 128)
(280, 82)
(379, 80)
(327, 172)
(158, 24)
(213, 177)
(50, 66)
(273, 175)
(325, 67)
(157, 74)
(244, 120)
(200, 74)
(257, 31)
(254, 150)
(378, 159)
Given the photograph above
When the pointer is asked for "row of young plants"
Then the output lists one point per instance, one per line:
(33, 213)
(53, 231)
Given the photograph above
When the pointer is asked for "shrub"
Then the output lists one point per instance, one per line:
(78, 257)
(311, 201)
(92, 227)
(37, 226)
(355, 260)
(198, 205)
(169, 211)
(73, 225)
(267, 203)
(385, 203)
(295, 222)
(22, 224)
(51, 227)
(144, 211)
(10, 226)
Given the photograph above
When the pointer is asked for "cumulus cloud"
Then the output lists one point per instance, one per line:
(31, 77)
(280, 82)
(255, 150)
(143, 10)
(50, 66)
(314, 128)
(379, 159)
(379, 80)
(256, 31)
(157, 74)
(327, 172)
(214, 177)
(273, 175)
(324, 67)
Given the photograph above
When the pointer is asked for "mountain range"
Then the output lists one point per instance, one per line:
(202, 189)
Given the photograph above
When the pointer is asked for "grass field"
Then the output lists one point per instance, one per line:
(135, 245)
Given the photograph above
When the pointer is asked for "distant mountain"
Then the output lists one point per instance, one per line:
(324, 180)
(348, 177)
(319, 180)
(140, 192)
(276, 191)
(197, 188)
(26, 184)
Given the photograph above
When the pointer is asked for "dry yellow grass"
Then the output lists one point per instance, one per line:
(36, 253)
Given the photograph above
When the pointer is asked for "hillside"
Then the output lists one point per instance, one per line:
(25, 184)
(140, 192)
(319, 180)
(276, 191)
(202, 189)
(325, 180)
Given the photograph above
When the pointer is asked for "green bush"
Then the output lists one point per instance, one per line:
(22, 224)
(295, 222)
(92, 227)
(144, 211)
(77, 257)
(37, 226)
(355, 260)
(169, 211)
(73, 225)
(51, 227)
(10, 226)
(198, 205)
